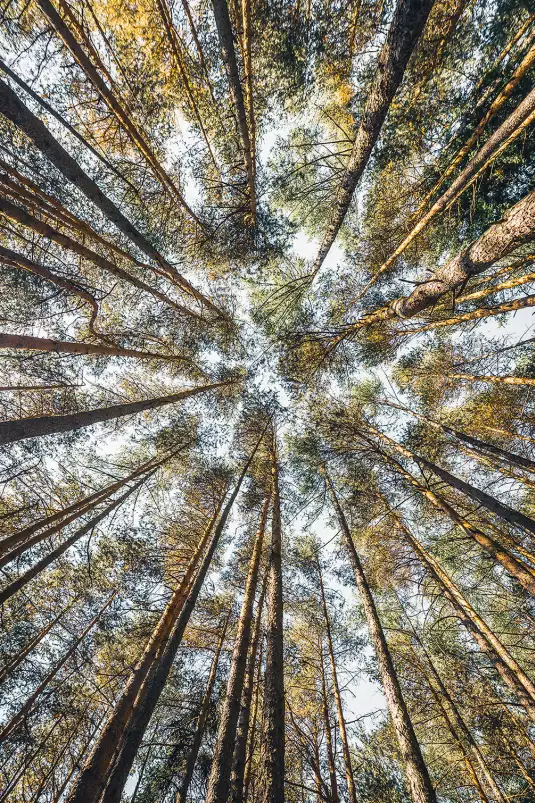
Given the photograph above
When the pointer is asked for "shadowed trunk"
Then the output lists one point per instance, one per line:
(22, 428)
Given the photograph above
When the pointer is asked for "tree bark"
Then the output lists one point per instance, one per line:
(273, 746)
(92, 779)
(29, 343)
(407, 24)
(13, 108)
(8, 591)
(242, 732)
(489, 644)
(416, 771)
(219, 780)
(19, 717)
(496, 380)
(228, 54)
(22, 428)
(338, 697)
(201, 722)
(335, 797)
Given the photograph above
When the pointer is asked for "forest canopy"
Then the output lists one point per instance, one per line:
(267, 367)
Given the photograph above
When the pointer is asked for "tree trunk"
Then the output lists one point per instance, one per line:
(113, 103)
(273, 746)
(15, 661)
(219, 780)
(407, 24)
(516, 228)
(13, 108)
(80, 509)
(510, 129)
(513, 675)
(496, 380)
(228, 54)
(416, 771)
(12, 588)
(335, 797)
(475, 315)
(19, 717)
(22, 428)
(489, 502)
(338, 697)
(510, 562)
(93, 775)
(242, 732)
(17, 537)
(252, 735)
(154, 682)
(16, 213)
(201, 721)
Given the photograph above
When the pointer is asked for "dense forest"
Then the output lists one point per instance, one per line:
(267, 391)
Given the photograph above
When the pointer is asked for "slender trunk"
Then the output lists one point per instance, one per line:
(202, 61)
(407, 24)
(416, 771)
(489, 502)
(15, 661)
(19, 536)
(201, 721)
(8, 591)
(9, 257)
(153, 684)
(475, 315)
(516, 228)
(228, 54)
(219, 780)
(242, 732)
(477, 443)
(510, 129)
(338, 697)
(252, 735)
(93, 775)
(496, 550)
(112, 102)
(80, 509)
(19, 717)
(513, 675)
(273, 747)
(22, 428)
(29, 343)
(13, 108)
(335, 797)
(497, 380)
(16, 213)
(248, 76)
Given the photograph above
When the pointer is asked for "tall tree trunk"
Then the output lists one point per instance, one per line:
(19, 717)
(416, 771)
(16, 213)
(510, 129)
(515, 567)
(8, 591)
(30, 343)
(254, 720)
(156, 677)
(201, 721)
(242, 732)
(15, 661)
(477, 443)
(337, 695)
(489, 644)
(525, 302)
(219, 780)
(21, 535)
(496, 380)
(22, 428)
(93, 775)
(13, 108)
(79, 510)
(228, 54)
(113, 103)
(516, 228)
(273, 736)
(407, 24)
(335, 797)
(489, 502)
